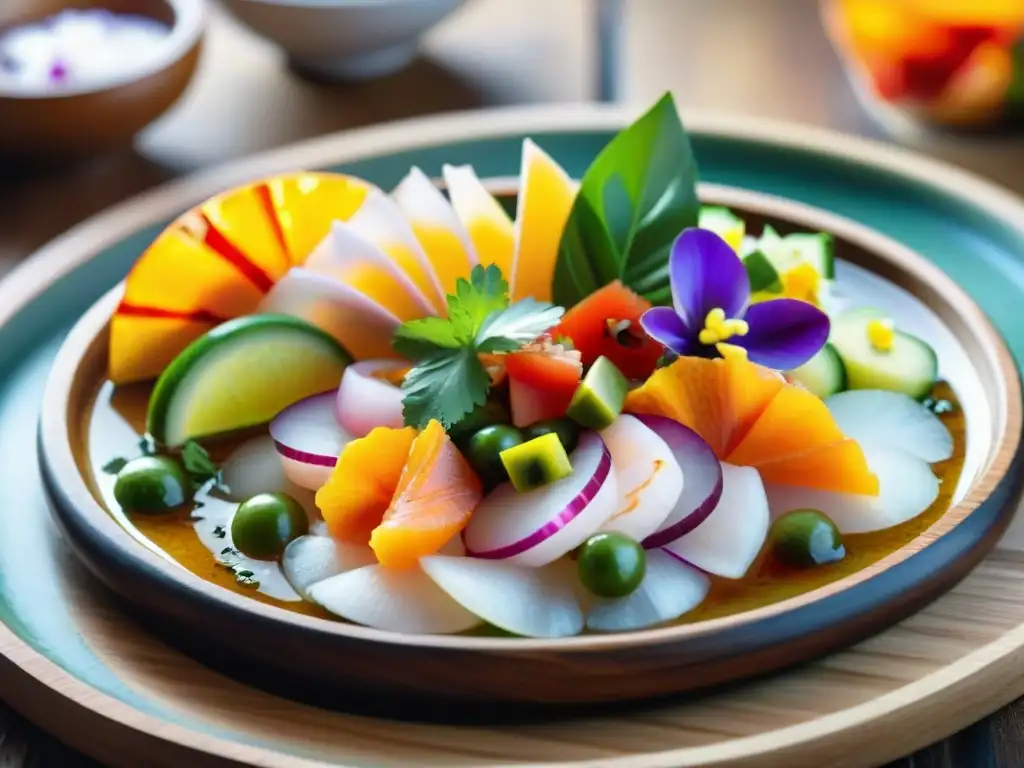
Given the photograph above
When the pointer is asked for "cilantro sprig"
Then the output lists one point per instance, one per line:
(448, 380)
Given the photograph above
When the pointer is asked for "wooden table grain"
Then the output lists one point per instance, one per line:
(764, 58)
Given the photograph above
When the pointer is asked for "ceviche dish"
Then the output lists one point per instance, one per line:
(563, 407)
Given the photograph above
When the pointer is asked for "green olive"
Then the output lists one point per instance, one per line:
(611, 564)
(265, 524)
(804, 538)
(484, 451)
(567, 430)
(152, 484)
(491, 412)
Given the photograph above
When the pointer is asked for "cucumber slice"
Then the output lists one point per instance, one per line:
(824, 374)
(723, 223)
(785, 253)
(910, 367)
(241, 374)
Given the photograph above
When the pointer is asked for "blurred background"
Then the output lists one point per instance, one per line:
(271, 72)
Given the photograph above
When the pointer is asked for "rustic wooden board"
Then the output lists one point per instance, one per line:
(929, 676)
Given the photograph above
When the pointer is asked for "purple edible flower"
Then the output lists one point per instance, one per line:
(712, 315)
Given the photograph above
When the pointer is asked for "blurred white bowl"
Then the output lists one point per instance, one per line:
(344, 39)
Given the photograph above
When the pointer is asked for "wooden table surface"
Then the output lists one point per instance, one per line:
(765, 58)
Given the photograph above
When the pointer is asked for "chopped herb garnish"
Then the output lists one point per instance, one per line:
(449, 381)
(147, 446)
(115, 465)
(220, 532)
(938, 406)
(198, 463)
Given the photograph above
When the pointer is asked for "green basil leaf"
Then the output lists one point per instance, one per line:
(636, 197)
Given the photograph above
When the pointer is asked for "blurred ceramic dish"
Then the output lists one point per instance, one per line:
(344, 39)
(86, 118)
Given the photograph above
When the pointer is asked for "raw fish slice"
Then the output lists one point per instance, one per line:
(907, 487)
(438, 229)
(545, 199)
(311, 559)
(489, 227)
(892, 419)
(306, 204)
(729, 540)
(359, 324)
(648, 476)
(380, 222)
(532, 602)
(244, 221)
(670, 588)
(398, 600)
(367, 399)
(346, 256)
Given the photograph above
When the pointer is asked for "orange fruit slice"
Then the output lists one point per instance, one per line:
(433, 502)
(217, 261)
(360, 489)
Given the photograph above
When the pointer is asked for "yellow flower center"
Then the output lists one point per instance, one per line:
(801, 282)
(881, 335)
(719, 328)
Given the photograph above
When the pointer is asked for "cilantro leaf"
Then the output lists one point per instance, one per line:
(445, 387)
(521, 323)
(198, 464)
(422, 338)
(115, 465)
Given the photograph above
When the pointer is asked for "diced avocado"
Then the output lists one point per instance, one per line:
(904, 363)
(824, 374)
(536, 462)
(762, 274)
(599, 398)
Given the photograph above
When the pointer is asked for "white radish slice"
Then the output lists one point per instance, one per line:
(311, 559)
(703, 473)
(347, 256)
(253, 468)
(670, 588)
(538, 527)
(907, 487)
(359, 324)
(532, 602)
(729, 539)
(648, 476)
(309, 440)
(366, 401)
(891, 419)
(398, 600)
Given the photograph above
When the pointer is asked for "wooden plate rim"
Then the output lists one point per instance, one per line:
(27, 282)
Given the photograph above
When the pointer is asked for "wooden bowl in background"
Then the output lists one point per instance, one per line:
(81, 121)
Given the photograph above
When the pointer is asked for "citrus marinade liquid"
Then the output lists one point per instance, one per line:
(198, 537)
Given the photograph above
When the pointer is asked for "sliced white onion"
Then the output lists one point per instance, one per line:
(309, 440)
(670, 588)
(648, 476)
(907, 487)
(532, 602)
(253, 468)
(891, 419)
(538, 527)
(729, 539)
(399, 600)
(366, 401)
(311, 559)
(703, 473)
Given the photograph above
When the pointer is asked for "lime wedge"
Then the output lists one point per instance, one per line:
(241, 374)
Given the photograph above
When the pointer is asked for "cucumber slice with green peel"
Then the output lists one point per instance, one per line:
(785, 253)
(910, 366)
(824, 374)
(762, 275)
(242, 374)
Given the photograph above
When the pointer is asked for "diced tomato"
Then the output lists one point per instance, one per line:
(542, 378)
(608, 323)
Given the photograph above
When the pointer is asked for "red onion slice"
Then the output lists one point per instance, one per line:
(538, 527)
(702, 488)
(309, 440)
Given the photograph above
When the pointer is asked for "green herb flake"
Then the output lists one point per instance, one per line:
(220, 532)
(146, 446)
(198, 464)
(115, 465)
